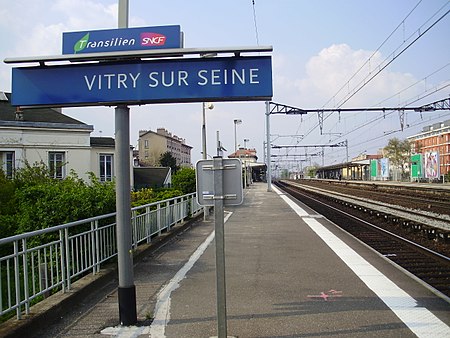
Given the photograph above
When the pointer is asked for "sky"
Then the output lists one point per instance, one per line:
(326, 54)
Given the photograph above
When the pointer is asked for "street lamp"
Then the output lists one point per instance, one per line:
(236, 122)
(204, 106)
(210, 106)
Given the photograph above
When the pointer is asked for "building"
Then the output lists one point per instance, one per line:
(152, 177)
(433, 143)
(151, 145)
(253, 171)
(246, 155)
(45, 135)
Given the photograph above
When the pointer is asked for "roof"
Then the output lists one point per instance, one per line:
(36, 117)
(151, 177)
(245, 153)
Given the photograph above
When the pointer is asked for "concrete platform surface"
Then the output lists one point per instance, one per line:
(289, 273)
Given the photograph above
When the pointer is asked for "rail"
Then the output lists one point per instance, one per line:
(33, 266)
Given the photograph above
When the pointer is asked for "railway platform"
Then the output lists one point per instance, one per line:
(289, 273)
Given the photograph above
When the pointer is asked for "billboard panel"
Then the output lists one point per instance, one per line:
(384, 167)
(122, 39)
(160, 81)
(431, 163)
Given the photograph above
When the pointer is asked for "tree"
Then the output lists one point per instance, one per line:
(184, 180)
(398, 152)
(167, 160)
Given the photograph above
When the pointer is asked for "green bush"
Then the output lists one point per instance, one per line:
(33, 200)
(148, 195)
(184, 180)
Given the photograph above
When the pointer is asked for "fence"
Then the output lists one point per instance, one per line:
(42, 262)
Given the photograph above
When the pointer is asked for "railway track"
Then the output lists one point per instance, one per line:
(431, 200)
(429, 264)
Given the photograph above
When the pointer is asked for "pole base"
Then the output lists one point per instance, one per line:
(127, 305)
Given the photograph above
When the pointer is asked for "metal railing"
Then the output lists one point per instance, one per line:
(39, 263)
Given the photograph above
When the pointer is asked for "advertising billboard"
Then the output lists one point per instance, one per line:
(431, 163)
(123, 39)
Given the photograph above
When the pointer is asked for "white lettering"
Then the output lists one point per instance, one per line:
(121, 78)
(152, 78)
(167, 84)
(235, 74)
(182, 77)
(134, 79)
(168, 79)
(215, 77)
(254, 75)
(200, 75)
(108, 79)
(90, 83)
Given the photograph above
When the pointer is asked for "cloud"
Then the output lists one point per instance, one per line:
(338, 71)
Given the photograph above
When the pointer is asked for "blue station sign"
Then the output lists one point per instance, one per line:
(124, 39)
(160, 81)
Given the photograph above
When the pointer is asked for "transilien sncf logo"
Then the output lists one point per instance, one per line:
(146, 39)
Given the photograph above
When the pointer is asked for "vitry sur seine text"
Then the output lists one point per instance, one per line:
(178, 78)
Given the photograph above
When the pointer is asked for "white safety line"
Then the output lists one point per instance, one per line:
(162, 309)
(300, 211)
(418, 319)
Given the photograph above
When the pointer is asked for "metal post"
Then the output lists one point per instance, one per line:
(123, 13)
(204, 156)
(268, 171)
(220, 247)
(235, 137)
(346, 149)
(127, 289)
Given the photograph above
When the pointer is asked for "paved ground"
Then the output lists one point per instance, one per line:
(280, 280)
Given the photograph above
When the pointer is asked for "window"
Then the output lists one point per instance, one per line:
(106, 167)
(146, 144)
(7, 163)
(56, 164)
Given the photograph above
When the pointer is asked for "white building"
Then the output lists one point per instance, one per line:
(44, 135)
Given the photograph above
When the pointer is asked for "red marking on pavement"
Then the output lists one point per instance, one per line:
(327, 295)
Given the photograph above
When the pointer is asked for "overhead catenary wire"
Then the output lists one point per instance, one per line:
(367, 80)
(364, 82)
(372, 55)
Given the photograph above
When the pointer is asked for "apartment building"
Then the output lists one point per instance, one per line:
(151, 145)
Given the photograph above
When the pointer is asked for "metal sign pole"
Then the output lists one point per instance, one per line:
(127, 289)
(220, 247)
(268, 169)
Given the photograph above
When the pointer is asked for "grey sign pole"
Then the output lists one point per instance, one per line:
(220, 247)
(127, 289)
(268, 169)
